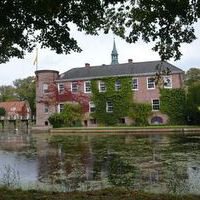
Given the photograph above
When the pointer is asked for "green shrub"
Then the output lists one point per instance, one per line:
(70, 116)
(140, 113)
(2, 111)
(56, 120)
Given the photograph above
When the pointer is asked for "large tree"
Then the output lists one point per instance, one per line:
(24, 23)
(25, 91)
(7, 93)
(192, 76)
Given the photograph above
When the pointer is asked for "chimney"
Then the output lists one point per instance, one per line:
(87, 64)
(130, 60)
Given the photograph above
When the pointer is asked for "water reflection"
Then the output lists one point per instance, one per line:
(155, 163)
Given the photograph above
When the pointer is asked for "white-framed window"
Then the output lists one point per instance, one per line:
(135, 84)
(61, 87)
(102, 86)
(87, 87)
(46, 108)
(150, 83)
(74, 86)
(167, 80)
(117, 85)
(60, 107)
(45, 88)
(109, 106)
(92, 107)
(155, 104)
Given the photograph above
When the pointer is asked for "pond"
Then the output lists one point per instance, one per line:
(154, 163)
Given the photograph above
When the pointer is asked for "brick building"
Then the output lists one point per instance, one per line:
(53, 90)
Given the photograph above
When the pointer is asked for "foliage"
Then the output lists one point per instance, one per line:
(192, 76)
(69, 117)
(173, 103)
(193, 103)
(25, 23)
(56, 120)
(121, 100)
(2, 111)
(167, 23)
(7, 93)
(25, 90)
(72, 114)
(111, 194)
(140, 113)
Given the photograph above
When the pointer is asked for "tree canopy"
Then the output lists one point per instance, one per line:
(25, 91)
(192, 76)
(24, 23)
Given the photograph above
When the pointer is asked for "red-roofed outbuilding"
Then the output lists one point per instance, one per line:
(16, 109)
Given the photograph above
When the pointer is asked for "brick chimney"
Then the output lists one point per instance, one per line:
(87, 64)
(130, 60)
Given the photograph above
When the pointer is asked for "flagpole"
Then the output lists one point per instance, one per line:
(36, 59)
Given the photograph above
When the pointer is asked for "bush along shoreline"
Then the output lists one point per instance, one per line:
(111, 194)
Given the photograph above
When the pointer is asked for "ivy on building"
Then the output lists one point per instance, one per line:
(173, 103)
(140, 113)
(121, 99)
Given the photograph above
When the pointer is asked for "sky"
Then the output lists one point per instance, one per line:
(96, 51)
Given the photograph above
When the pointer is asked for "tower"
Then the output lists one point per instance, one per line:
(114, 55)
(45, 106)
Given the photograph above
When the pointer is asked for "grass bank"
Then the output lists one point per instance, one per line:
(111, 194)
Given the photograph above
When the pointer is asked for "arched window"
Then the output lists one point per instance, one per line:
(156, 120)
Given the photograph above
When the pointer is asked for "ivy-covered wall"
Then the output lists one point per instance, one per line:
(173, 103)
(121, 99)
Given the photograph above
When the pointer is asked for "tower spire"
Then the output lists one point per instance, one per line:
(114, 54)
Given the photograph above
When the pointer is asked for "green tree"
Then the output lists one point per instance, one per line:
(193, 103)
(7, 93)
(72, 114)
(2, 111)
(25, 23)
(192, 76)
(69, 117)
(25, 90)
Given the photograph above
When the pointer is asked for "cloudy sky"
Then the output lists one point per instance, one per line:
(96, 51)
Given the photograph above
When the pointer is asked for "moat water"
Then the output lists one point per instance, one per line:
(155, 163)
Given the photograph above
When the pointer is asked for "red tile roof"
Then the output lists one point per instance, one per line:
(19, 107)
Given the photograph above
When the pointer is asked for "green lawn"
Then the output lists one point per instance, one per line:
(107, 194)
